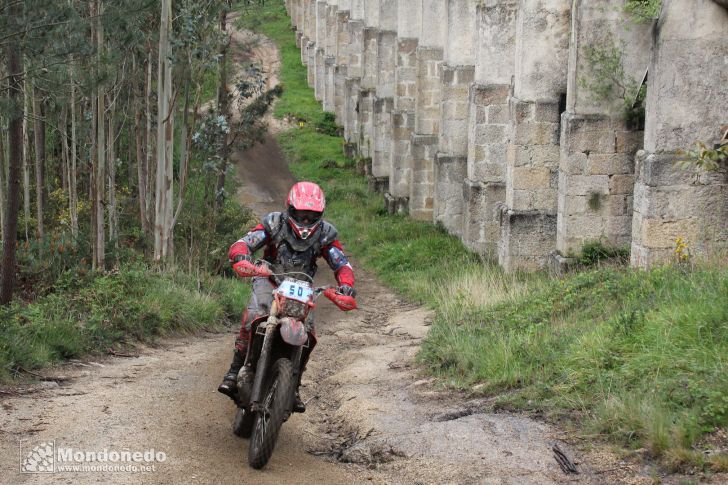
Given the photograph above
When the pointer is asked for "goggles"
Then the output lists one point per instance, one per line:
(304, 217)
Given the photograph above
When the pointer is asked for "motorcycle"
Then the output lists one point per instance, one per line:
(268, 380)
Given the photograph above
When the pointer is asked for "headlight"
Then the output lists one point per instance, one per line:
(294, 309)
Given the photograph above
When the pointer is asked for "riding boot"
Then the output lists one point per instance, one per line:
(229, 381)
(299, 406)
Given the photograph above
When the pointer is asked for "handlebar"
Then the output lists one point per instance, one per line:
(261, 268)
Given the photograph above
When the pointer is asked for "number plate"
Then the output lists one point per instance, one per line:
(296, 290)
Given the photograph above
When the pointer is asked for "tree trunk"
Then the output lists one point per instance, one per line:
(141, 158)
(65, 150)
(40, 157)
(185, 145)
(26, 162)
(141, 170)
(3, 186)
(15, 160)
(92, 157)
(113, 214)
(149, 139)
(99, 238)
(63, 133)
(73, 187)
(223, 104)
(165, 138)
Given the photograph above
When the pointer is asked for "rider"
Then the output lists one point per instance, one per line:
(293, 241)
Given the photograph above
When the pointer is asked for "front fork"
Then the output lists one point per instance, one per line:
(262, 366)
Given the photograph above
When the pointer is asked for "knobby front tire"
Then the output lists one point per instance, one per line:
(277, 392)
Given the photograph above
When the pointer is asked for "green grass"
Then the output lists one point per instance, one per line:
(92, 312)
(640, 356)
(637, 357)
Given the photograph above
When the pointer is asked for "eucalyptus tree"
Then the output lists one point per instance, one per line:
(101, 86)
(188, 51)
(14, 58)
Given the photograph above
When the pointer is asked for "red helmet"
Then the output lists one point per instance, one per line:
(305, 204)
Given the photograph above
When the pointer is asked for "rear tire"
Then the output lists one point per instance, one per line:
(277, 393)
(243, 423)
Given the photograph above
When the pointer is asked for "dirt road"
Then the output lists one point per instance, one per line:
(366, 405)
(371, 416)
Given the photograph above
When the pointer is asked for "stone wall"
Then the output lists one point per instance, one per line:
(458, 73)
(596, 176)
(488, 122)
(493, 118)
(686, 102)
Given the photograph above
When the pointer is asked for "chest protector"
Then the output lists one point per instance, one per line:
(289, 253)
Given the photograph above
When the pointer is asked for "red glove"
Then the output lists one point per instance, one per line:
(246, 269)
(344, 302)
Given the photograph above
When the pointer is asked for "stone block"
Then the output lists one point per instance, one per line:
(396, 205)
(621, 184)
(488, 94)
(450, 172)
(585, 184)
(574, 163)
(677, 202)
(451, 168)
(448, 75)
(464, 75)
(424, 139)
(619, 230)
(383, 104)
(591, 142)
(582, 123)
(539, 155)
(489, 134)
(610, 164)
(486, 170)
(407, 44)
(402, 123)
(572, 204)
(349, 150)
(660, 233)
(522, 112)
(527, 240)
(425, 54)
(559, 265)
(586, 227)
(661, 169)
(620, 205)
(546, 112)
(629, 141)
(481, 228)
(536, 134)
(498, 114)
(531, 178)
(379, 185)
(479, 113)
(452, 109)
(543, 199)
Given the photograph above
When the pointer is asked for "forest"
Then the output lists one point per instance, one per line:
(117, 120)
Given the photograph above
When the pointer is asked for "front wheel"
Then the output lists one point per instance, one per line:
(277, 392)
(243, 423)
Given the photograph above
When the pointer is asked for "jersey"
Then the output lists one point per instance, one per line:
(288, 253)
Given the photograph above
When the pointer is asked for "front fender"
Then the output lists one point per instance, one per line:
(293, 331)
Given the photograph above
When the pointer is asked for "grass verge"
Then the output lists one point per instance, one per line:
(92, 312)
(636, 357)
